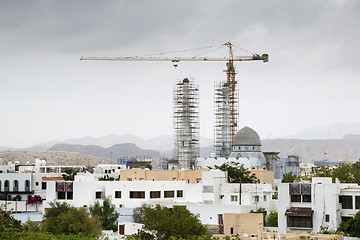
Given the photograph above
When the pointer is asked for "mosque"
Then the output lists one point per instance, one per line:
(247, 151)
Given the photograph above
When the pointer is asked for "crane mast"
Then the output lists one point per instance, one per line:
(230, 73)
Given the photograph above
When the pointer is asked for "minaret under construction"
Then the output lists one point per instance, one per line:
(186, 123)
(226, 117)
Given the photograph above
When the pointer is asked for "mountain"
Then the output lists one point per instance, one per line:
(160, 143)
(53, 158)
(347, 148)
(335, 131)
(114, 152)
(45, 145)
(3, 148)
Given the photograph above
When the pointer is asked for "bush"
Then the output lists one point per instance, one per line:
(17, 198)
(64, 219)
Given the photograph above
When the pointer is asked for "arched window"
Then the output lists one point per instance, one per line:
(27, 186)
(16, 185)
(6, 185)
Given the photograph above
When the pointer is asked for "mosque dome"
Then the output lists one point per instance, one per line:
(246, 137)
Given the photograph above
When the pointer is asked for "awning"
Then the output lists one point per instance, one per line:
(299, 212)
(52, 178)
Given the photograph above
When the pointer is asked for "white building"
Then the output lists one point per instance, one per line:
(304, 207)
(211, 198)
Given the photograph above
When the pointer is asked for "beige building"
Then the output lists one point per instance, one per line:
(250, 224)
(137, 174)
(264, 176)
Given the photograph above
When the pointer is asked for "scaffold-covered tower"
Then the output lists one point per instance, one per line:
(226, 117)
(186, 122)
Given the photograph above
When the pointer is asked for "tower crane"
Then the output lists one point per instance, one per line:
(230, 71)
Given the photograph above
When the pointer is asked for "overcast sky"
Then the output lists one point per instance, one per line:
(47, 93)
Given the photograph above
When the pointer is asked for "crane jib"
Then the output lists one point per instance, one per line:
(263, 57)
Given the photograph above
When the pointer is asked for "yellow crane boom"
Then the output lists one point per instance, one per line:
(263, 57)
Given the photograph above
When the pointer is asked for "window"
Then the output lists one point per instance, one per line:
(357, 202)
(306, 198)
(43, 185)
(169, 194)
(117, 194)
(300, 191)
(69, 195)
(256, 198)
(264, 198)
(37, 183)
(231, 230)
(220, 219)
(16, 185)
(234, 198)
(299, 221)
(139, 194)
(295, 198)
(327, 218)
(61, 195)
(346, 202)
(179, 193)
(221, 196)
(27, 186)
(6, 185)
(154, 194)
(98, 195)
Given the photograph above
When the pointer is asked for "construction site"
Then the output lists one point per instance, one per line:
(186, 104)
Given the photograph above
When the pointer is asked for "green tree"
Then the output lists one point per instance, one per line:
(237, 173)
(323, 171)
(139, 213)
(69, 175)
(356, 171)
(272, 219)
(31, 227)
(288, 178)
(106, 213)
(7, 220)
(62, 218)
(344, 172)
(149, 166)
(351, 227)
(106, 178)
(177, 222)
(140, 235)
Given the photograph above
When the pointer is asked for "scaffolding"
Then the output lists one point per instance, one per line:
(226, 117)
(186, 123)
